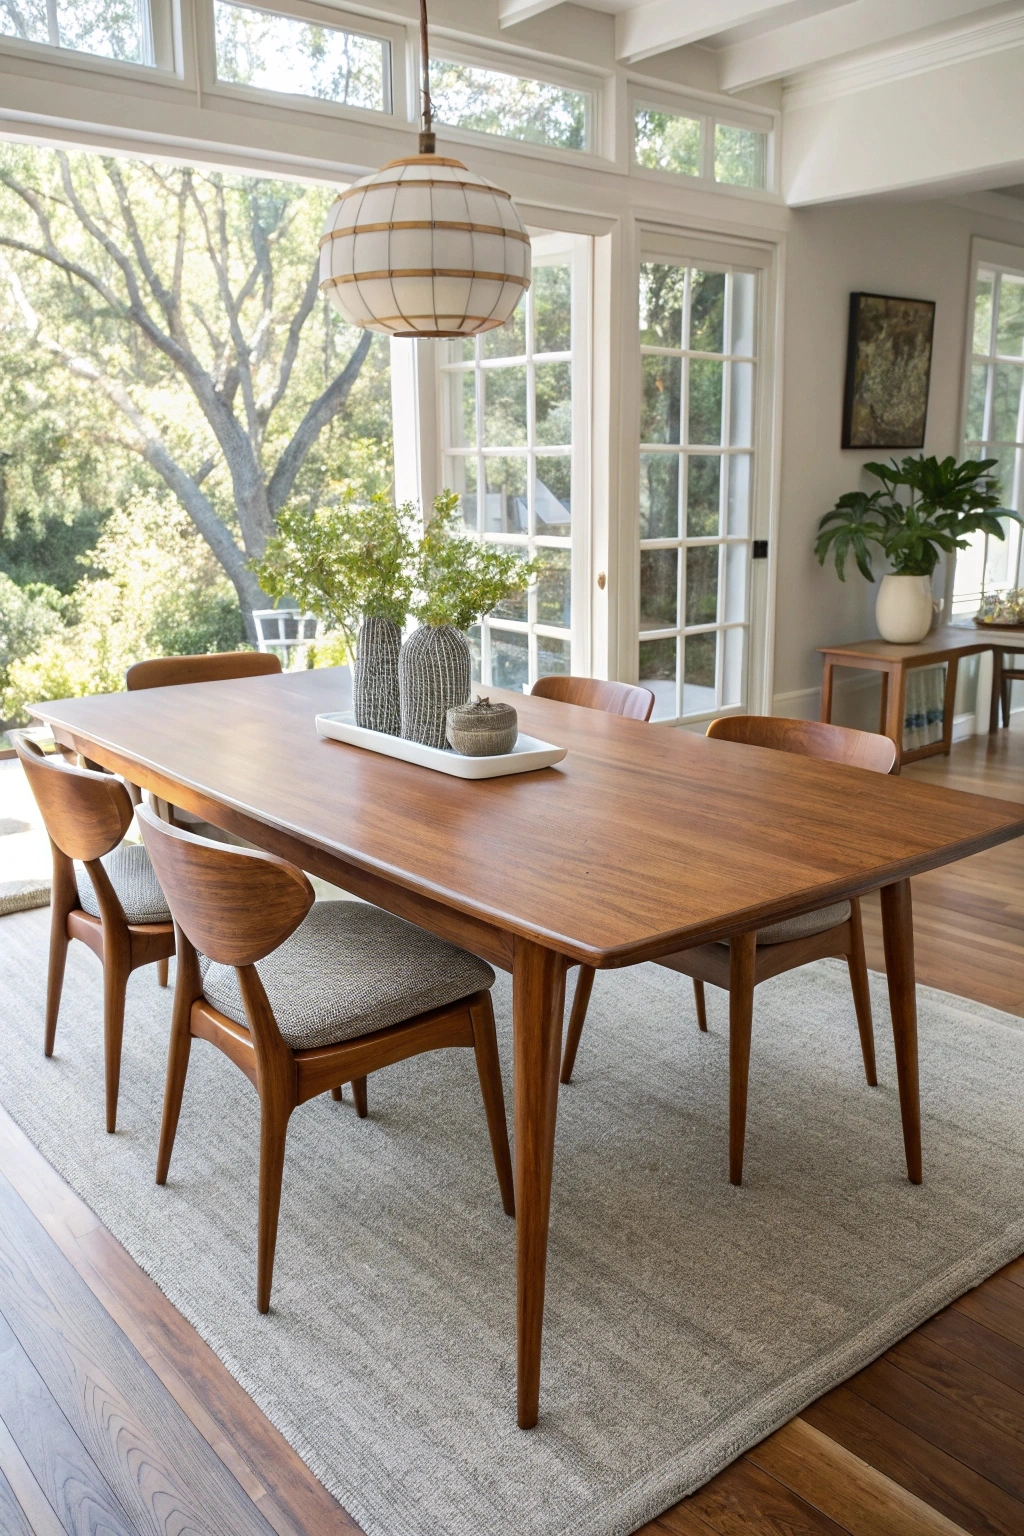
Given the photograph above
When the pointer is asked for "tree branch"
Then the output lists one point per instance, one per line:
(320, 413)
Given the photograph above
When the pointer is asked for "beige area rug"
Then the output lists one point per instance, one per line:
(685, 1319)
(23, 895)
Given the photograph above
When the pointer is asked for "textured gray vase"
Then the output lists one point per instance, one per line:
(434, 674)
(375, 700)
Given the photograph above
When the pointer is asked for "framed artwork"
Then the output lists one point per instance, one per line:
(888, 367)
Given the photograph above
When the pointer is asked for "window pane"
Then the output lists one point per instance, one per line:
(744, 292)
(734, 643)
(659, 417)
(705, 402)
(738, 517)
(505, 509)
(666, 141)
(508, 340)
(700, 652)
(460, 407)
(510, 659)
(26, 20)
(735, 583)
(552, 497)
(740, 156)
(983, 313)
(707, 311)
(659, 496)
(1010, 330)
(1006, 383)
(658, 588)
(702, 584)
(280, 53)
(976, 400)
(511, 106)
(658, 673)
(661, 305)
(554, 588)
(554, 657)
(459, 349)
(517, 604)
(505, 407)
(110, 28)
(553, 385)
(741, 405)
(703, 480)
(552, 309)
(473, 635)
(460, 475)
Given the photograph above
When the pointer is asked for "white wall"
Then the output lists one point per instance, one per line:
(912, 250)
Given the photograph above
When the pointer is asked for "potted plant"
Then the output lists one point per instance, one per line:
(944, 502)
(351, 564)
(458, 579)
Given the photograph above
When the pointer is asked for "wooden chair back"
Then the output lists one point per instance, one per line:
(808, 738)
(86, 813)
(624, 699)
(166, 671)
(234, 905)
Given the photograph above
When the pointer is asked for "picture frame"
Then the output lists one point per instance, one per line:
(888, 371)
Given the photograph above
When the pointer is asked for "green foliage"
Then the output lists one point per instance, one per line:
(344, 561)
(667, 141)
(946, 501)
(461, 578)
(27, 616)
(490, 101)
(160, 593)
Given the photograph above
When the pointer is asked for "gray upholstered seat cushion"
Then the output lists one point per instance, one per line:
(347, 970)
(803, 927)
(134, 880)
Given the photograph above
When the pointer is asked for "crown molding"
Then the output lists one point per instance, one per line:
(973, 40)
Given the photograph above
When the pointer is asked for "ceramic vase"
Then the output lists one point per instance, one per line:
(434, 674)
(904, 608)
(375, 698)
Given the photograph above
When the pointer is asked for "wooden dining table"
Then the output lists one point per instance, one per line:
(644, 840)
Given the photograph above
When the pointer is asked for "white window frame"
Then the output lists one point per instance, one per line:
(396, 85)
(705, 250)
(161, 26)
(709, 111)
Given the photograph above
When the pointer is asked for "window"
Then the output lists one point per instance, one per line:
(301, 58)
(697, 335)
(668, 141)
(995, 429)
(740, 156)
(112, 29)
(511, 106)
(511, 451)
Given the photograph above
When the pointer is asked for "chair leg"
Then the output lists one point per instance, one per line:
(858, 968)
(580, 1002)
(178, 1051)
(359, 1094)
(336, 1095)
(698, 997)
(742, 953)
(116, 970)
(273, 1134)
(161, 972)
(488, 1068)
(59, 942)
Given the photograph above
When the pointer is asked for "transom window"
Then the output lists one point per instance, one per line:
(270, 52)
(109, 29)
(511, 106)
(513, 453)
(995, 430)
(692, 144)
(697, 334)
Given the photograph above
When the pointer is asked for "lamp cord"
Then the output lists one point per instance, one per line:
(427, 141)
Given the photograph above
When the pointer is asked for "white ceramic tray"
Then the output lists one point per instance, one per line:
(527, 754)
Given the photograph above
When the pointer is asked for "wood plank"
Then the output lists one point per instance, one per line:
(59, 1462)
(961, 1382)
(746, 1500)
(32, 1502)
(265, 1465)
(936, 1478)
(840, 1484)
(162, 1471)
(996, 1306)
(13, 1521)
(970, 1341)
(947, 1423)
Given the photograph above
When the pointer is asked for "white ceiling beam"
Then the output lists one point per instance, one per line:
(512, 11)
(663, 24)
(849, 28)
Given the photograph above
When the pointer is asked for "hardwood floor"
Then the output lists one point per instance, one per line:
(116, 1418)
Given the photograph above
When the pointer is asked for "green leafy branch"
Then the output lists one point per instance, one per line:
(459, 578)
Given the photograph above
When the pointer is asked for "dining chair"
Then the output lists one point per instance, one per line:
(834, 931)
(304, 998)
(625, 699)
(114, 903)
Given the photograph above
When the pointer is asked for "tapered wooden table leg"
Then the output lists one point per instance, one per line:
(538, 999)
(898, 935)
(742, 956)
(895, 710)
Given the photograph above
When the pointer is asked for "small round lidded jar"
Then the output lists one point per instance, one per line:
(482, 729)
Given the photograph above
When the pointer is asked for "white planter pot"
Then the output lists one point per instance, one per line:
(903, 608)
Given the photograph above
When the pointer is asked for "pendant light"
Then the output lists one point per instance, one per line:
(424, 247)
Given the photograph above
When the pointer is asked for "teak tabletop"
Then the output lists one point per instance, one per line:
(644, 840)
